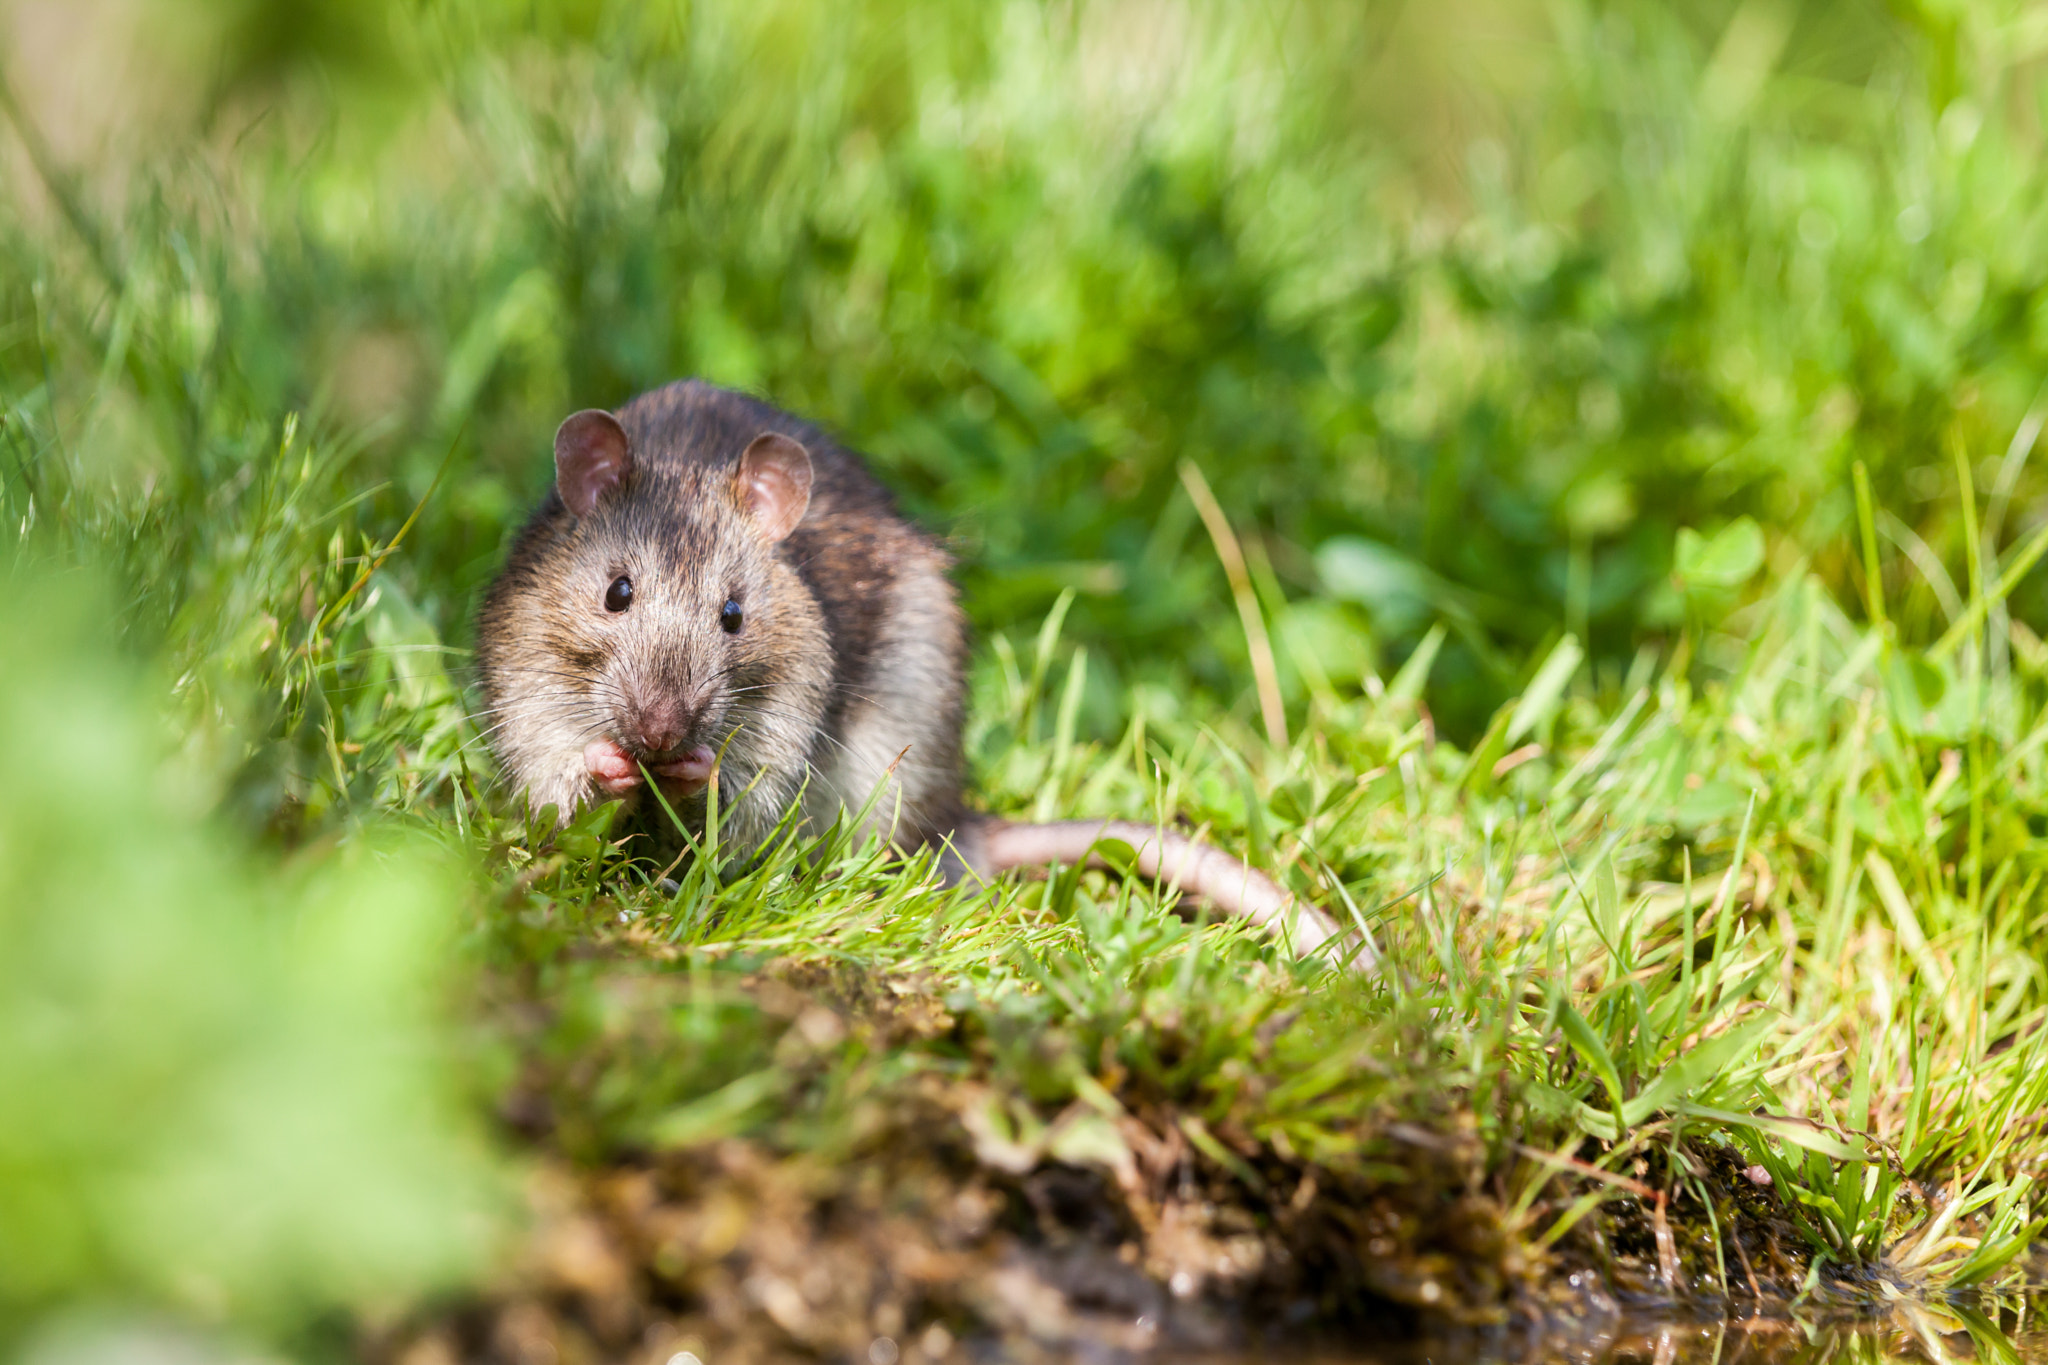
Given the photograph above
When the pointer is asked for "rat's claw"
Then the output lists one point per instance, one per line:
(611, 767)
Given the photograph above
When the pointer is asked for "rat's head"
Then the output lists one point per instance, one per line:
(655, 626)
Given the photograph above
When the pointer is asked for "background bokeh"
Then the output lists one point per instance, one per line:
(1463, 309)
(1501, 319)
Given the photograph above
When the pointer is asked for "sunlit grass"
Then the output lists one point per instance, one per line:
(1625, 951)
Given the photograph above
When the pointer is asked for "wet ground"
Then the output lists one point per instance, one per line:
(743, 1259)
(1928, 1333)
(1932, 1334)
(945, 1221)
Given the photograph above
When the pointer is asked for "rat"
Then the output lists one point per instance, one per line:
(717, 590)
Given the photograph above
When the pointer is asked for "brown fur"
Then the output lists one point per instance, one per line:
(848, 674)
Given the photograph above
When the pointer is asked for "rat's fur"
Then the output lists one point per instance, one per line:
(849, 670)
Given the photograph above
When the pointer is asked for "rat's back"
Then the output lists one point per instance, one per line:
(692, 422)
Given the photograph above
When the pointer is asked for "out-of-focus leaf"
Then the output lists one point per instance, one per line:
(1726, 559)
(228, 1087)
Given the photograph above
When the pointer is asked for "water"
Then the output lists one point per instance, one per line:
(1932, 1334)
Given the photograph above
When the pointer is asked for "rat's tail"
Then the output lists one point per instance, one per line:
(1197, 870)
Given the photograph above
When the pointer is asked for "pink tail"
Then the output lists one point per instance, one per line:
(1195, 869)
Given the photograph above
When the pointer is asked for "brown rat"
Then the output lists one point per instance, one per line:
(715, 582)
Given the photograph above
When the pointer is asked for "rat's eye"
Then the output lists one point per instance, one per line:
(619, 595)
(731, 617)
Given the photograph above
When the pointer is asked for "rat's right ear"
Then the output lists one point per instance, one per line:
(592, 457)
(775, 483)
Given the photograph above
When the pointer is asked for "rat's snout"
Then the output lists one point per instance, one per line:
(658, 726)
(657, 722)
(656, 730)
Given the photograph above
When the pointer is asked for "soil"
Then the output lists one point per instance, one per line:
(942, 1233)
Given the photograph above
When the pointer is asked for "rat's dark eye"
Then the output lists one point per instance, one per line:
(732, 618)
(619, 595)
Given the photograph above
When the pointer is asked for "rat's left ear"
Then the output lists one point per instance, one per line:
(592, 457)
(775, 483)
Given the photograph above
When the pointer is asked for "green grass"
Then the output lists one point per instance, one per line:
(1641, 517)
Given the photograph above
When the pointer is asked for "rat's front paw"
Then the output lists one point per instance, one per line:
(610, 767)
(690, 772)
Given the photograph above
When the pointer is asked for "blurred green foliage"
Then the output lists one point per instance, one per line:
(229, 1086)
(1464, 313)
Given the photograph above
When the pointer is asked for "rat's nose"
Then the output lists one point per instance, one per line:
(659, 736)
(657, 727)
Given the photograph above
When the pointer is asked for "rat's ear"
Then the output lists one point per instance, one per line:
(592, 457)
(775, 483)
